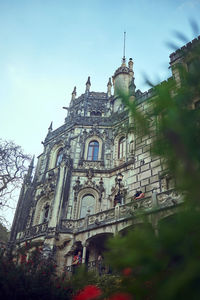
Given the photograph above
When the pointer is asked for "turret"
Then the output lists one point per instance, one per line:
(123, 77)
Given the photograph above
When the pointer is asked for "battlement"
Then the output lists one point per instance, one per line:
(179, 52)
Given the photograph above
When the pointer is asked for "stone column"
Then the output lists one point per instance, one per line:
(84, 252)
(154, 199)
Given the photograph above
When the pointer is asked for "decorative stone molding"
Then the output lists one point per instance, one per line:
(166, 182)
(169, 198)
(48, 187)
(97, 165)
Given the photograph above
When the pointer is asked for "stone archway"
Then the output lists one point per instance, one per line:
(96, 247)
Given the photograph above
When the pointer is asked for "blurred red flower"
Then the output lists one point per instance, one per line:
(127, 272)
(90, 292)
(121, 296)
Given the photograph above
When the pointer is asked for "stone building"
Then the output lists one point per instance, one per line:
(85, 180)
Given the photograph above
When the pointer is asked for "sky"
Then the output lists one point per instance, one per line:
(49, 46)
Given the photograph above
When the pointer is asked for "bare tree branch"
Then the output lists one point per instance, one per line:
(13, 166)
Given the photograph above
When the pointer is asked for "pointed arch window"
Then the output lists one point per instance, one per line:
(93, 151)
(59, 157)
(121, 147)
(87, 205)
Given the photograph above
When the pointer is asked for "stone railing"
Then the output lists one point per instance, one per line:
(33, 231)
(168, 198)
(93, 265)
(157, 201)
(106, 216)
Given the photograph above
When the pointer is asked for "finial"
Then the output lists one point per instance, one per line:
(109, 85)
(88, 81)
(50, 127)
(130, 64)
(109, 82)
(88, 84)
(30, 168)
(74, 93)
(32, 162)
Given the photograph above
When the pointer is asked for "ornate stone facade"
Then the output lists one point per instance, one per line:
(70, 204)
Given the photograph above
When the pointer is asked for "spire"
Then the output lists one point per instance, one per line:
(50, 127)
(88, 85)
(109, 85)
(124, 51)
(74, 93)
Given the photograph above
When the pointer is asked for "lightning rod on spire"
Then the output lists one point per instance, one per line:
(124, 44)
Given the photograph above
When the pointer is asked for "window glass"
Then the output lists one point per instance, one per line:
(121, 147)
(87, 203)
(59, 157)
(93, 150)
(46, 213)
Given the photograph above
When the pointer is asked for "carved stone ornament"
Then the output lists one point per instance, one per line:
(88, 184)
(101, 188)
(49, 186)
(97, 165)
(63, 245)
(169, 198)
(77, 188)
(90, 174)
(48, 251)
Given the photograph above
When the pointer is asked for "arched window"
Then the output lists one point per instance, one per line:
(46, 213)
(87, 205)
(93, 151)
(121, 147)
(59, 157)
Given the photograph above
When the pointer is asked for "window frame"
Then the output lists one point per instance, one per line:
(59, 157)
(121, 147)
(93, 146)
(82, 208)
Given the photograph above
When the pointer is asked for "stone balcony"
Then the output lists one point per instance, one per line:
(37, 230)
(156, 202)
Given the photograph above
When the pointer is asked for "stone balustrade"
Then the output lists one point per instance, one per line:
(33, 231)
(120, 212)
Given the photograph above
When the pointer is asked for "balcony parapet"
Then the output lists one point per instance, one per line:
(34, 231)
(168, 198)
(158, 201)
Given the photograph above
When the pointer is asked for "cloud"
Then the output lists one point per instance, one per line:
(189, 4)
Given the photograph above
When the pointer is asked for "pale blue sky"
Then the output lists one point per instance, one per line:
(48, 47)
